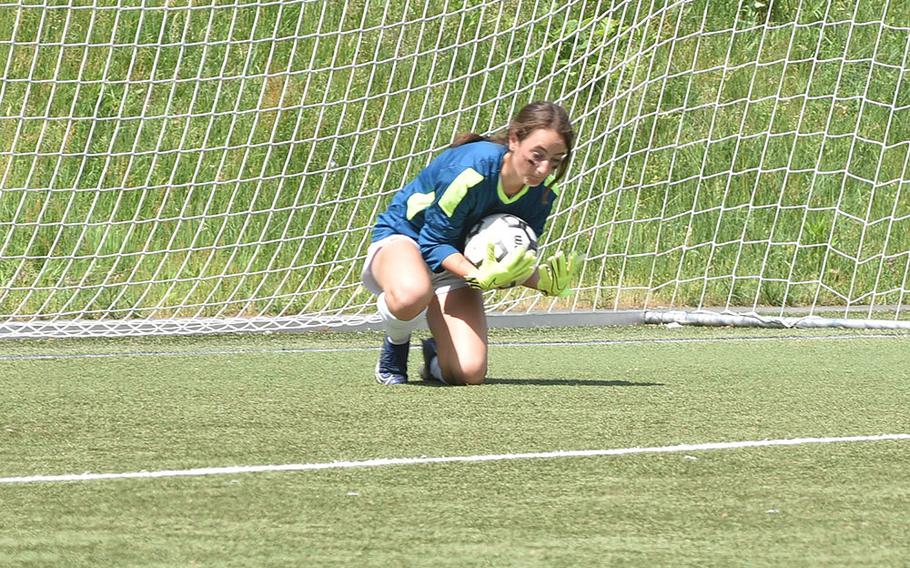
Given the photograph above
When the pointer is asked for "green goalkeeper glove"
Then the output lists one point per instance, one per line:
(557, 274)
(512, 270)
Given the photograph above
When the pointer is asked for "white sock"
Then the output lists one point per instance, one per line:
(436, 371)
(398, 331)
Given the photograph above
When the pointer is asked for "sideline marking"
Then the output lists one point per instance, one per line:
(298, 350)
(381, 462)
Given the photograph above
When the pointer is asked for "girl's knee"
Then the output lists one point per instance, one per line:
(469, 374)
(408, 299)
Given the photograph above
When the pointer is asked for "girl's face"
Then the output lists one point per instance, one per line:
(537, 156)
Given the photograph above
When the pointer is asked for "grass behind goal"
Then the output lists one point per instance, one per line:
(195, 160)
(172, 404)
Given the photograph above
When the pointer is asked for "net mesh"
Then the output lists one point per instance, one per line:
(192, 167)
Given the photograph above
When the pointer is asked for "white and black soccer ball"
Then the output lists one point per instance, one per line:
(507, 232)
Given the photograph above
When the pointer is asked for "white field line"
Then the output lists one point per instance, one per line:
(292, 350)
(382, 462)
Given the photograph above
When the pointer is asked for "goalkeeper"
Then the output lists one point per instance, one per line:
(415, 263)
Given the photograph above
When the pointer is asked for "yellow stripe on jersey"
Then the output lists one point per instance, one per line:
(505, 198)
(418, 202)
(458, 189)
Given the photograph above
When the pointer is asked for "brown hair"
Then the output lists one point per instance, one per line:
(534, 116)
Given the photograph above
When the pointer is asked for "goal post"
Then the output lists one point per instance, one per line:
(179, 166)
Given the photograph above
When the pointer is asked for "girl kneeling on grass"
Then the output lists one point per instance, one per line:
(415, 262)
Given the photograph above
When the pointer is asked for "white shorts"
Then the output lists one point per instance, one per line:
(443, 282)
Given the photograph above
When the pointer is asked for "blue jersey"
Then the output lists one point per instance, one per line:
(453, 193)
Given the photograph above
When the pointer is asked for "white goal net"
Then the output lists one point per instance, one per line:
(177, 166)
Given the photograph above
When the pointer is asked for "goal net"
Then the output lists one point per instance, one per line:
(177, 166)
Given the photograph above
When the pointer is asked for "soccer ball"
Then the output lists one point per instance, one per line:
(506, 232)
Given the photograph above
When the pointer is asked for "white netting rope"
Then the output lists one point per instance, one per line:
(188, 168)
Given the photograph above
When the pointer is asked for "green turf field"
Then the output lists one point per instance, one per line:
(171, 404)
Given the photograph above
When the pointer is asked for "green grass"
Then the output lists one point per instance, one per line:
(157, 404)
(120, 130)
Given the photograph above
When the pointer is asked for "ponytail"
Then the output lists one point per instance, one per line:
(467, 138)
(501, 138)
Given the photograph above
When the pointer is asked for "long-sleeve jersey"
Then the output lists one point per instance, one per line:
(450, 195)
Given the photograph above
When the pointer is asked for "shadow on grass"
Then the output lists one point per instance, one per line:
(570, 383)
(554, 383)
